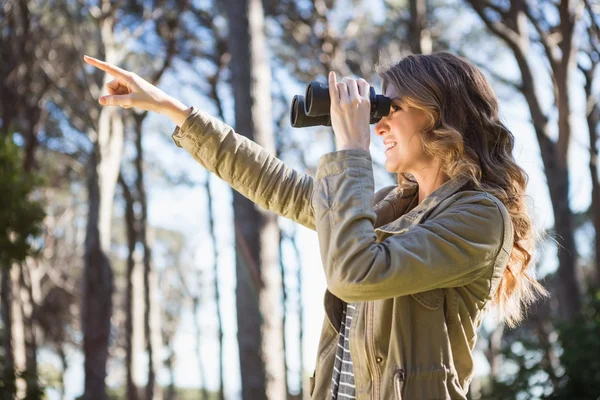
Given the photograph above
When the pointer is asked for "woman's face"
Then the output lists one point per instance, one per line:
(401, 133)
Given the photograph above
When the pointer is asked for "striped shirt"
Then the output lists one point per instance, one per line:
(342, 381)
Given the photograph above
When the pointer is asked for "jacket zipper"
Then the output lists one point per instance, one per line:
(399, 378)
(372, 368)
(366, 305)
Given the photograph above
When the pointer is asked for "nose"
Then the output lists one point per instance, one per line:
(381, 127)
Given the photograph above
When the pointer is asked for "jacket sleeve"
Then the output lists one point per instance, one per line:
(451, 249)
(247, 167)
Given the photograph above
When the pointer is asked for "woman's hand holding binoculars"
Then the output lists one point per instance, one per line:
(128, 90)
(350, 112)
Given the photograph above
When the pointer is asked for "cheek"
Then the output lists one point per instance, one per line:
(414, 144)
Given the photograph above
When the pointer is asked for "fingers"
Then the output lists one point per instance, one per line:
(109, 68)
(338, 91)
(363, 87)
(347, 89)
(124, 100)
(352, 88)
(115, 87)
(119, 89)
(333, 89)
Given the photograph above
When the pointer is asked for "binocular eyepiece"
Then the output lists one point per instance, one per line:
(313, 108)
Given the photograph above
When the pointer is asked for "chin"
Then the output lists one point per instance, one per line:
(392, 168)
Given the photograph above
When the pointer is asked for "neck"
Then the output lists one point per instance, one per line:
(429, 179)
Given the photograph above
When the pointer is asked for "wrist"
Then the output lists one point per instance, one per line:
(352, 146)
(175, 110)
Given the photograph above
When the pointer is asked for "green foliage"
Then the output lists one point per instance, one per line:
(20, 217)
(524, 376)
(20, 220)
(579, 359)
(580, 341)
(8, 383)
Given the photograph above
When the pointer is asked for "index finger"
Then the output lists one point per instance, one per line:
(333, 90)
(108, 68)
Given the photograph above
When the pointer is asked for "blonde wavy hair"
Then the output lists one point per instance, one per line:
(464, 132)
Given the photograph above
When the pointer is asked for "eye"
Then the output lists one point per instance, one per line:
(394, 108)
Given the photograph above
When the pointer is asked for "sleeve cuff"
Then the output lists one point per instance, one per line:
(339, 161)
(181, 132)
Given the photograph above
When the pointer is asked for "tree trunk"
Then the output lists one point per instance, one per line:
(22, 90)
(138, 342)
(593, 123)
(96, 306)
(213, 235)
(258, 280)
(493, 352)
(514, 32)
(97, 292)
(27, 304)
(198, 331)
(300, 311)
(131, 240)
(569, 292)
(143, 238)
(155, 323)
(419, 38)
(63, 370)
(284, 307)
(171, 368)
(18, 337)
(8, 369)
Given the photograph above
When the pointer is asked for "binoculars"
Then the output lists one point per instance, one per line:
(313, 108)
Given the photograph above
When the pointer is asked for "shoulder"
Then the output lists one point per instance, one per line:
(474, 200)
(477, 213)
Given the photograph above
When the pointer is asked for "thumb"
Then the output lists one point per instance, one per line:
(123, 100)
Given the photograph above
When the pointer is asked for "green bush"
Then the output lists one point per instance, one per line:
(579, 348)
(20, 222)
(580, 341)
(20, 216)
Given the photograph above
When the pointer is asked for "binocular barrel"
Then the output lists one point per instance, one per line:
(313, 108)
(301, 119)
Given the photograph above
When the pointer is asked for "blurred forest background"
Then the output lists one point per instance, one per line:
(98, 266)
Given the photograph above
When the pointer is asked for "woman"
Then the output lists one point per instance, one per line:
(412, 269)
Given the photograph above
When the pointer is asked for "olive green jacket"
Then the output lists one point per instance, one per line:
(422, 277)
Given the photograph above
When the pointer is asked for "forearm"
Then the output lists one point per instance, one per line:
(175, 110)
(454, 248)
(247, 167)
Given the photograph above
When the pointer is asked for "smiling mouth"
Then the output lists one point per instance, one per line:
(390, 146)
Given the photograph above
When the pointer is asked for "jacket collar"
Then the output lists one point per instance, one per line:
(403, 201)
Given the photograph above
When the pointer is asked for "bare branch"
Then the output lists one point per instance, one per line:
(548, 40)
(595, 23)
(497, 27)
(503, 13)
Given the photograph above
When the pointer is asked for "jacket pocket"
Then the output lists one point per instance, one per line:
(431, 299)
(422, 385)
